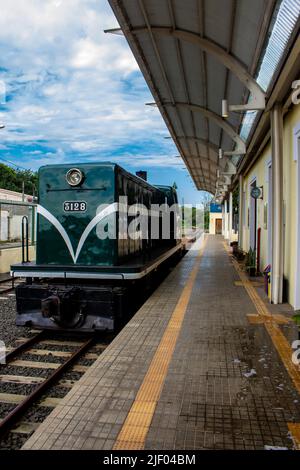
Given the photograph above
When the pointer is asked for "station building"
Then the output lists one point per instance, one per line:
(225, 77)
(274, 214)
(215, 219)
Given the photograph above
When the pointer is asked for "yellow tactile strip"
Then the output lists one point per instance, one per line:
(135, 428)
(254, 318)
(294, 429)
(271, 324)
(253, 283)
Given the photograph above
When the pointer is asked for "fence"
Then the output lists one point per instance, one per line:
(11, 215)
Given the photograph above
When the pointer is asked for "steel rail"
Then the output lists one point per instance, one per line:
(3, 281)
(22, 347)
(8, 289)
(18, 411)
(5, 291)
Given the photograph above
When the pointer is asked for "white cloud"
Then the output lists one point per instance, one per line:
(73, 88)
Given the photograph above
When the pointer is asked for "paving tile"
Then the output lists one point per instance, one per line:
(207, 401)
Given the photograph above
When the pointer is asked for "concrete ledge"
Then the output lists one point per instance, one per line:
(9, 256)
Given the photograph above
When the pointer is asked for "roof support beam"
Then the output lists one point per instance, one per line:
(211, 174)
(197, 140)
(210, 189)
(213, 148)
(207, 160)
(240, 144)
(229, 61)
(230, 168)
(224, 179)
(202, 178)
(222, 188)
(117, 31)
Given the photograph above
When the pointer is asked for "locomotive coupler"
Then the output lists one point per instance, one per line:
(64, 308)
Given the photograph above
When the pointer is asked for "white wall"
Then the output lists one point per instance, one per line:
(212, 221)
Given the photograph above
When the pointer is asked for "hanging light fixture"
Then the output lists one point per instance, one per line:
(225, 112)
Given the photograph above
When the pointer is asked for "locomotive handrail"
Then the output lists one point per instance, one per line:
(25, 240)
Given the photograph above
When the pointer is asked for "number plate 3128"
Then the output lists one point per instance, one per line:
(74, 206)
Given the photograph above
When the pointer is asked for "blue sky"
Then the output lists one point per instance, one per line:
(75, 93)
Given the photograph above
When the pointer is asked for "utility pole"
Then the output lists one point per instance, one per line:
(23, 191)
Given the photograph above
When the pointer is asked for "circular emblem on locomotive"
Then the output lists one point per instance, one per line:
(74, 177)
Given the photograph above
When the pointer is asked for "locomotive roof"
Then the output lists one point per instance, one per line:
(106, 164)
(165, 187)
(82, 164)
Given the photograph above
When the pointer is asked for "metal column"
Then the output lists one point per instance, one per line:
(230, 216)
(226, 220)
(223, 220)
(277, 203)
(241, 215)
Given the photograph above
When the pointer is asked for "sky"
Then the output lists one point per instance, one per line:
(71, 93)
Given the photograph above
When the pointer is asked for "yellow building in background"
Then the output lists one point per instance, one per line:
(257, 213)
(215, 219)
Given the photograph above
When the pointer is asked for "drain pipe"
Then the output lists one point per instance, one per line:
(223, 219)
(258, 250)
(277, 203)
(226, 219)
(230, 216)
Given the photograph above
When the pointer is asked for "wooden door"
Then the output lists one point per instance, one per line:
(218, 226)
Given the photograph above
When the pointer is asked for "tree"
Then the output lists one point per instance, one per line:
(206, 220)
(13, 179)
(206, 200)
(235, 199)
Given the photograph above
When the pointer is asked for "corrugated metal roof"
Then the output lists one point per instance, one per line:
(279, 35)
(180, 73)
(284, 21)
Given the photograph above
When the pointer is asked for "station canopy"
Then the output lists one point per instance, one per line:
(195, 53)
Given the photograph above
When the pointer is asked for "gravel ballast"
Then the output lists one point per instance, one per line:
(9, 331)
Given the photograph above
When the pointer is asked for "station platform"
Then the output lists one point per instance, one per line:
(206, 363)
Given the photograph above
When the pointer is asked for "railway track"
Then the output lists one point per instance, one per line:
(37, 374)
(8, 285)
(40, 371)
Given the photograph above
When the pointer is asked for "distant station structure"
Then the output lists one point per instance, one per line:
(215, 219)
(13, 207)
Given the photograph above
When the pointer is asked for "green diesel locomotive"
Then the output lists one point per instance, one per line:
(100, 233)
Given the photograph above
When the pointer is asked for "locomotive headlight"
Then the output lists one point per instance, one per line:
(74, 177)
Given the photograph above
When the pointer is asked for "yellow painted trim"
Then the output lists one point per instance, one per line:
(253, 283)
(294, 429)
(281, 319)
(255, 319)
(136, 426)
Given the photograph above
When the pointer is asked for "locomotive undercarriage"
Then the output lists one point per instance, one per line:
(72, 306)
(85, 304)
